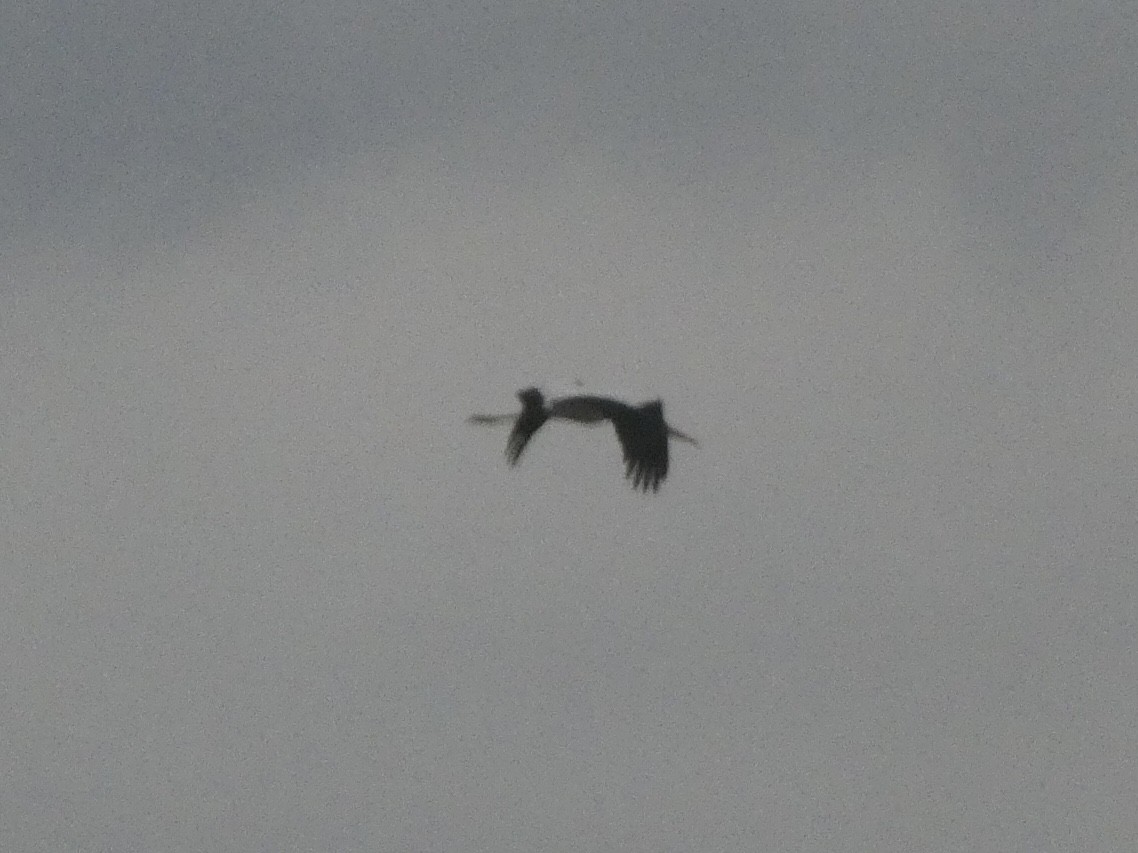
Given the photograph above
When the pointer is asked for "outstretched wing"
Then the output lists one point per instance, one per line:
(643, 437)
(528, 422)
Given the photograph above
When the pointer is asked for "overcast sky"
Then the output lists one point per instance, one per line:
(264, 589)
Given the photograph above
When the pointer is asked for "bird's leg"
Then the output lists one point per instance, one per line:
(675, 433)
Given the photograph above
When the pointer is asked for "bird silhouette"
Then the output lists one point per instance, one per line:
(641, 430)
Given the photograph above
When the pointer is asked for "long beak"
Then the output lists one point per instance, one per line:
(490, 419)
(675, 433)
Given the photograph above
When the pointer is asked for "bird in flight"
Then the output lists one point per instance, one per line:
(641, 430)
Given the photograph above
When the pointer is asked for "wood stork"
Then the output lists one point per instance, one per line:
(641, 430)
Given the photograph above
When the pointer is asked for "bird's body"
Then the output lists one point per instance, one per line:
(641, 430)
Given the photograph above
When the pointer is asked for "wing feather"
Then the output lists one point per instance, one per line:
(532, 416)
(643, 437)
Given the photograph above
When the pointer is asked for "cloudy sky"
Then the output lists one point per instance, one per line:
(264, 589)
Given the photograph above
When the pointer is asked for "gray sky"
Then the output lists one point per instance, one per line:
(265, 590)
